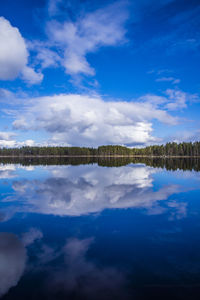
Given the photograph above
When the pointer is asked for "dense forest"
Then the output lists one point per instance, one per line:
(169, 149)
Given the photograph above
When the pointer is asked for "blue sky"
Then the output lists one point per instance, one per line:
(88, 73)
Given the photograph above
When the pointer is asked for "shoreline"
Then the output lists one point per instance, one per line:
(100, 156)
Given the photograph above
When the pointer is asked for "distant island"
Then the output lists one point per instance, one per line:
(168, 150)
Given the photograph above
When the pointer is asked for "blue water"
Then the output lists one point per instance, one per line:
(91, 232)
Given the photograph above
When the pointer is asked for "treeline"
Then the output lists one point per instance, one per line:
(169, 149)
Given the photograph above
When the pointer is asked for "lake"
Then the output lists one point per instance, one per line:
(99, 228)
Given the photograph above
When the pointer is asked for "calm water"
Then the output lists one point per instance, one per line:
(93, 232)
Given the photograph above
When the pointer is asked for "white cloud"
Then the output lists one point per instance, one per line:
(168, 79)
(172, 99)
(53, 7)
(6, 136)
(45, 56)
(7, 139)
(32, 77)
(185, 135)
(12, 261)
(153, 99)
(11, 98)
(14, 55)
(13, 51)
(6, 95)
(26, 143)
(90, 121)
(177, 99)
(15, 144)
(74, 40)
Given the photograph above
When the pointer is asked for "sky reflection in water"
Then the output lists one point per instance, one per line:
(91, 232)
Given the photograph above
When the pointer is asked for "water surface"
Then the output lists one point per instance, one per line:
(99, 229)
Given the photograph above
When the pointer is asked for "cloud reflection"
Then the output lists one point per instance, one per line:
(12, 261)
(10, 170)
(76, 191)
(7, 171)
(83, 278)
(31, 236)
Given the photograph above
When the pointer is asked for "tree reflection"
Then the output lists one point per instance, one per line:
(171, 164)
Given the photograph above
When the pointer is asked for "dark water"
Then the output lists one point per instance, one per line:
(108, 229)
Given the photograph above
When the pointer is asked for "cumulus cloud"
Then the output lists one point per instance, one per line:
(12, 261)
(11, 62)
(91, 121)
(14, 55)
(8, 139)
